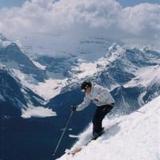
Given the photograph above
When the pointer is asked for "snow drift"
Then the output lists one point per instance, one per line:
(135, 136)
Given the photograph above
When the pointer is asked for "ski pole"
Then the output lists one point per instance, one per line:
(63, 133)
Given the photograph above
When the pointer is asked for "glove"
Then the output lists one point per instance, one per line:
(73, 108)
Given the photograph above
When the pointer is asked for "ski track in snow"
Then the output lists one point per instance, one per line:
(132, 137)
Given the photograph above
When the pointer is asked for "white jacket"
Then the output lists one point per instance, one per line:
(97, 92)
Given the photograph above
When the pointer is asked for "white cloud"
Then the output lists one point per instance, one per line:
(141, 18)
(58, 27)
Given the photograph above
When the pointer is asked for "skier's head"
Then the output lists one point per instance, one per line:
(86, 86)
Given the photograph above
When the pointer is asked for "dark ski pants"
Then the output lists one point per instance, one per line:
(99, 115)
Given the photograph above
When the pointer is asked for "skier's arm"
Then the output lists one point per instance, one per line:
(84, 104)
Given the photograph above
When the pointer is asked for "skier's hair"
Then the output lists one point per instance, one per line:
(85, 85)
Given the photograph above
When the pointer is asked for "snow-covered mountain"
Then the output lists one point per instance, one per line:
(36, 86)
(135, 136)
(126, 72)
(57, 68)
(14, 96)
(12, 57)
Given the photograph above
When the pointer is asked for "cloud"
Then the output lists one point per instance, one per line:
(141, 19)
(56, 27)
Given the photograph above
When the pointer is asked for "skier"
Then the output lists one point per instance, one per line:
(103, 100)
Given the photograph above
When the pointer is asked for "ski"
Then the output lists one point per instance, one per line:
(78, 149)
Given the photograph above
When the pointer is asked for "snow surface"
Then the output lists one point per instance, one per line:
(50, 88)
(40, 66)
(132, 137)
(85, 68)
(38, 112)
(47, 89)
(145, 76)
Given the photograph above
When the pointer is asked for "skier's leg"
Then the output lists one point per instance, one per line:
(97, 125)
(105, 110)
(99, 116)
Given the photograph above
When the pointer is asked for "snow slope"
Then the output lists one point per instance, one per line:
(132, 137)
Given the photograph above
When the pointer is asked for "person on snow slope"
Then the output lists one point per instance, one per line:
(104, 101)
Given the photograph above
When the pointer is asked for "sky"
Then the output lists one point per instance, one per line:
(11, 3)
(134, 2)
(58, 27)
